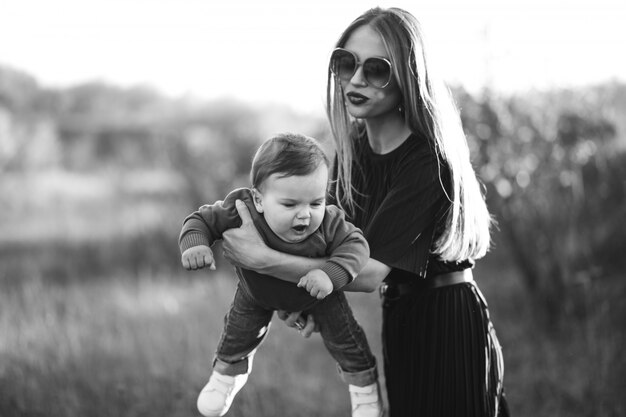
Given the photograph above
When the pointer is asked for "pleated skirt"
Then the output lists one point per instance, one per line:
(441, 354)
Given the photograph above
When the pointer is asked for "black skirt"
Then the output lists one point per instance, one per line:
(442, 356)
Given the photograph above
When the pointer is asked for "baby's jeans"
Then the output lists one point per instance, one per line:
(247, 323)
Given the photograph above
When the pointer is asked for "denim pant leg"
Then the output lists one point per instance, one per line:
(245, 327)
(345, 340)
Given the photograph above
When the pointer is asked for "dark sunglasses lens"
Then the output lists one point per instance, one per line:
(343, 64)
(377, 72)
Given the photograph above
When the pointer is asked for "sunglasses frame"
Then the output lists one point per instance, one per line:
(360, 64)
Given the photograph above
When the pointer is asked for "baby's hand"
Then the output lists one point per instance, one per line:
(198, 257)
(317, 283)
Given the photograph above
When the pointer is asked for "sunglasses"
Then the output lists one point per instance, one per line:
(377, 71)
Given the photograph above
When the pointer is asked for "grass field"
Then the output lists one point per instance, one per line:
(142, 345)
(133, 347)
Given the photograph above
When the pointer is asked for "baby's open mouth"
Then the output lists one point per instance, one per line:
(300, 228)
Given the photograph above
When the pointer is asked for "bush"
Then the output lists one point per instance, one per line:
(556, 182)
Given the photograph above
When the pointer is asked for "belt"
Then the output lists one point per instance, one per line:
(392, 291)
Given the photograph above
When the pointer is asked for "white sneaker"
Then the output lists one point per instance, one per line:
(366, 401)
(218, 394)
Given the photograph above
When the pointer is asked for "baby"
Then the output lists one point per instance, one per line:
(287, 203)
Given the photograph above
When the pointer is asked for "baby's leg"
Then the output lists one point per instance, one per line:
(345, 340)
(245, 328)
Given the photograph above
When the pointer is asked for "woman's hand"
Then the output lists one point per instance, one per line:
(243, 246)
(305, 324)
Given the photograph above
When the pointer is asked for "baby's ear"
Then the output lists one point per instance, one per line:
(257, 197)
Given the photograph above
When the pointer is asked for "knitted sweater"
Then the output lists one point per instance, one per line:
(337, 239)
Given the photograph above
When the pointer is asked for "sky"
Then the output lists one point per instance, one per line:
(276, 51)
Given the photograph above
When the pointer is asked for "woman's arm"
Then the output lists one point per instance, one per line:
(370, 277)
(245, 248)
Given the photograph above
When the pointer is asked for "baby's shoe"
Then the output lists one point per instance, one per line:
(366, 401)
(218, 394)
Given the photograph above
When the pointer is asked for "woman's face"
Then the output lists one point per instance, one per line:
(362, 100)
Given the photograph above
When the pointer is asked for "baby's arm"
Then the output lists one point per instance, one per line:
(198, 257)
(203, 227)
(349, 253)
(317, 283)
(347, 247)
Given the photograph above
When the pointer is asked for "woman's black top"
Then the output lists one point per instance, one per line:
(401, 205)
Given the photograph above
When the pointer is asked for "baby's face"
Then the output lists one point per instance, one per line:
(293, 206)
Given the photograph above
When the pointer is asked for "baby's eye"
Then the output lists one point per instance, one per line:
(289, 205)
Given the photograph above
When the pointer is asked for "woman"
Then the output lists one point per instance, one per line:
(403, 175)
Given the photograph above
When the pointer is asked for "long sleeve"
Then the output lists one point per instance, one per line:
(206, 225)
(347, 247)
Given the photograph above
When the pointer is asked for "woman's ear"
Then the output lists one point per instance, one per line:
(257, 197)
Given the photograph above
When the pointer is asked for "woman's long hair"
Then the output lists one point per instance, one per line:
(430, 112)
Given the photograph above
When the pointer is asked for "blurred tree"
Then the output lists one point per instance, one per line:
(19, 91)
(212, 145)
(27, 132)
(212, 149)
(556, 181)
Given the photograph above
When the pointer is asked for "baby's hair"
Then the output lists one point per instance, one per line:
(287, 154)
